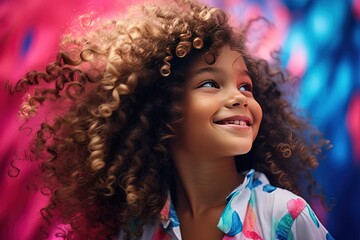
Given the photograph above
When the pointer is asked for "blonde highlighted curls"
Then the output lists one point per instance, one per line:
(198, 43)
(166, 69)
(181, 50)
(183, 47)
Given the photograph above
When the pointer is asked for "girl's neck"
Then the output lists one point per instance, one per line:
(203, 182)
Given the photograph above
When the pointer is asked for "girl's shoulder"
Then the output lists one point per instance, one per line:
(274, 200)
(278, 213)
(263, 198)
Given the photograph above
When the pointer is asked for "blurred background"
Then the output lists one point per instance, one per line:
(319, 41)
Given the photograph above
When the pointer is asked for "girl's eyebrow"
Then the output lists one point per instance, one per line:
(245, 72)
(211, 69)
(205, 70)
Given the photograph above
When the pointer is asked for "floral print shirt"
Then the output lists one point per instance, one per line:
(254, 210)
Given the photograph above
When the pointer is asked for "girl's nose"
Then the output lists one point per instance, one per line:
(237, 99)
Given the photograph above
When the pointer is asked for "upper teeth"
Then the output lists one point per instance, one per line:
(236, 122)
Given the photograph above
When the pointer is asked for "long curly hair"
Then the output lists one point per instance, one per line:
(118, 92)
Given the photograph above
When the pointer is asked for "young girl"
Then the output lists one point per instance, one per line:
(163, 126)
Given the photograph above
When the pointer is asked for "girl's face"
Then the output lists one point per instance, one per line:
(221, 116)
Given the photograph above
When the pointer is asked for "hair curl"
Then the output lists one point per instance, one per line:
(106, 152)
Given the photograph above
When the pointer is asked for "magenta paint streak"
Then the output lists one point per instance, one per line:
(356, 8)
(353, 125)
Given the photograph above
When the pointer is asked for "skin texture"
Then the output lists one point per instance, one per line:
(205, 147)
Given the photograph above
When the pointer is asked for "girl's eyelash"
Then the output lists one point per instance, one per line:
(208, 83)
(213, 84)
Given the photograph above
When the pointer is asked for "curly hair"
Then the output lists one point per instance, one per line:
(119, 92)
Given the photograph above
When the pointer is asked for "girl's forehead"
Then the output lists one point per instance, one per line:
(239, 64)
(225, 57)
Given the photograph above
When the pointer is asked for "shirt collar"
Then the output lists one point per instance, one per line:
(227, 224)
(232, 217)
(168, 216)
(247, 183)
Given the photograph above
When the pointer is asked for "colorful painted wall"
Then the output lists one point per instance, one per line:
(320, 43)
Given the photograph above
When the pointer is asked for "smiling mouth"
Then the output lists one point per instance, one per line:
(234, 122)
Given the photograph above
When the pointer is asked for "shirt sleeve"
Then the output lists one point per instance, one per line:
(307, 226)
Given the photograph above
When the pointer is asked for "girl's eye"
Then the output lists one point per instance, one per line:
(209, 84)
(245, 87)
